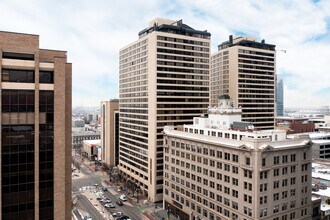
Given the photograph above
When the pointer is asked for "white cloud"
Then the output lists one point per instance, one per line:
(93, 32)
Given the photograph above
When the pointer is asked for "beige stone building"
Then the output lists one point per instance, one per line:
(35, 123)
(245, 70)
(163, 80)
(216, 173)
(110, 132)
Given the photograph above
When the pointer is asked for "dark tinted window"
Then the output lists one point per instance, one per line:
(17, 56)
(17, 100)
(21, 76)
(46, 156)
(46, 77)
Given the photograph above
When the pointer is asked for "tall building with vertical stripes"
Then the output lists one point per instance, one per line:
(35, 144)
(279, 97)
(164, 80)
(245, 70)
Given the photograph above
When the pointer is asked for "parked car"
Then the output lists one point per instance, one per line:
(104, 189)
(108, 200)
(110, 205)
(125, 217)
(119, 202)
(104, 200)
(88, 217)
(117, 214)
(122, 197)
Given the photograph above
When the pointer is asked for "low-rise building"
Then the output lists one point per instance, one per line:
(79, 136)
(294, 125)
(92, 149)
(215, 171)
(321, 143)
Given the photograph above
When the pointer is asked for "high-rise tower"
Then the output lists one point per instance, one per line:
(164, 80)
(110, 132)
(245, 69)
(35, 120)
(279, 97)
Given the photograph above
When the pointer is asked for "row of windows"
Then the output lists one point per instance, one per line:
(26, 76)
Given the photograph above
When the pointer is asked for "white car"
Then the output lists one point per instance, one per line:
(122, 197)
(88, 217)
(117, 214)
(110, 205)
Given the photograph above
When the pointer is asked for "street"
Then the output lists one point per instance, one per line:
(88, 177)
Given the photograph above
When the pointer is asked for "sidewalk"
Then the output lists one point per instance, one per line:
(149, 210)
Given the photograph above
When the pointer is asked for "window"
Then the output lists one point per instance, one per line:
(248, 174)
(235, 193)
(284, 194)
(18, 76)
(17, 56)
(263, 174)
(235, 158)
(247, 161)
(263, 162)
(235, 169)
(46, 77)
(235, 205)
(284, 158)
(276, 160)
(248, 186)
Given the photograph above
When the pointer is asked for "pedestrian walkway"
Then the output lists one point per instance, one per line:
(149, 210)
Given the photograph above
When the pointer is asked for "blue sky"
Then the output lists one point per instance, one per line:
(93, 32)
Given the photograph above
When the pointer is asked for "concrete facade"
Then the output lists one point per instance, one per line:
(163, 80)
(245, 70)
(109, 131)
(48, 114)
(243, 175)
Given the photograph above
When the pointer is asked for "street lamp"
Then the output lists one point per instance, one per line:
(137, 195)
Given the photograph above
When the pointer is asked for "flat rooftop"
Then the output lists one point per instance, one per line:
(245, 142)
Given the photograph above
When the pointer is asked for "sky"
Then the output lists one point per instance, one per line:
(92, 32)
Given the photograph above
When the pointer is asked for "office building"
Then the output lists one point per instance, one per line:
(244, 69)
(214, 171)
(163, 80)
(110, 132)
(35, 130)
(279, 97)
